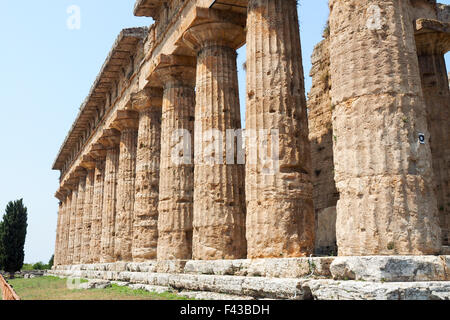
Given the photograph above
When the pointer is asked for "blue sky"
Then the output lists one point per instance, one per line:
(46, 73)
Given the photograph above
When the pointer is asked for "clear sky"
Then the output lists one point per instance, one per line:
(47, 70)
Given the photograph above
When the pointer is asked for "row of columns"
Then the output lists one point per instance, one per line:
(155, 207)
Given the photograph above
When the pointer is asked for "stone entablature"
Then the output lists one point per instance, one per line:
(120, 67)
(124, 196)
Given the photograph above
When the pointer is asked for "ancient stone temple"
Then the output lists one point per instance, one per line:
(161, 186)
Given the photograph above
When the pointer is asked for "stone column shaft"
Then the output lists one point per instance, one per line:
(87, 218)
(60, 251)
(280, 213)
(176, 169)
(320, 117)
(219, 198)
(109, 205)
(435, 87)
(145, 223)
(79, 219)
(56, 257)
(125, 190)
(73, 223)
(382, 170)
(66, 230)
(97, 206)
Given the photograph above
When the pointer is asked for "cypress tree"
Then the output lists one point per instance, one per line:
(1, 247)
(13, 231)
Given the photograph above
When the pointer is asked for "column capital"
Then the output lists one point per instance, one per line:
(97, 151)
(72, 185)
(214, 33)
(432, 37)
(125, 119)
(147, 98)
(87, 162)
(173, 70)
(110, 138)
(60, 195)
(80, 172)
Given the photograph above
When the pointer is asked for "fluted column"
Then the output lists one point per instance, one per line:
(56, 257)
(431, 47)
(145, 223)
(73, 225)
(66, 229)
(280, 213)
(79, 218)
(61, 230)
(382, 170)
(111, 143)
(127, 123)
(176, 168)
(97, 206)
(87, 212)
(219, 208)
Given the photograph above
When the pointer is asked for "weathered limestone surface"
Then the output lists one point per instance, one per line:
(125, 186)
(431, 49)
(145, 224)
(384, 175)
(271, 268)
(391, 268)
(176, 169)
(280, 213)
(79, 218)
(219, 198)
(73, 222)
(358, 290)
(321, 138)
(109, 204)
(66, 230)
(395, 277)
(97, 205)
(58, 234)
(87, 217)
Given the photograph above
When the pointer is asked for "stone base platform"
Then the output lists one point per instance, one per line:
(321, 278)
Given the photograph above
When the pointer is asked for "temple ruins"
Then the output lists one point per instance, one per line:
(158, 178)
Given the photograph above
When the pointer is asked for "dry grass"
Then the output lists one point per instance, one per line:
(53, 288)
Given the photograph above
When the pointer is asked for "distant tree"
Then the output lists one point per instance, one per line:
(12, 237)
(1, 247)
(39, 266)
(50, 262)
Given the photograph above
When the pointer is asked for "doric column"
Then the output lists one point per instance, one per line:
(89, 164)
(176, 169)
(97, 204)
(61, 226)
(145, 223)
(127, 123)
(79, 218)
(110, 140)
(381, 142)
(219, 199)
(72, 223)
(432, 44)
(280, 213)
(320, 122)
(66, 229)
(56, 257)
